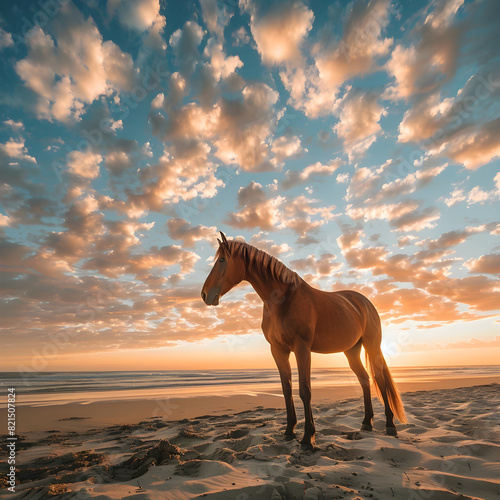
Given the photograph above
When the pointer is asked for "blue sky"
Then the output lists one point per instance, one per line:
(358, 142)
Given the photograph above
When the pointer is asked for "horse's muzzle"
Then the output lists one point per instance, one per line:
(211, 298)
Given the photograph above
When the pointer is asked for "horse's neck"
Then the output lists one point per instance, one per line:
(267, 287)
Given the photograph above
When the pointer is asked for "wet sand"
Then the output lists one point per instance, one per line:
(78, 417)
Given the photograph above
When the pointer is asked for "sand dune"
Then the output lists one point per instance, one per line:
(449, 449)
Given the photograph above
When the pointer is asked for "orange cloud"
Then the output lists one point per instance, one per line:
(298, 214)
(361, 44)
(287, 147)
(269, 246)
(257, 210)
(324, 266)
(473, 344)
(458, 127)
(358, 124)
(85, 164)
(179, 229)
(425, 66)
(73, 68)
(137, 14)
(239, 129)
(489, 264)
(279, 33)
(311, 172)
(350, 238)
(216, 16)
(15, 148)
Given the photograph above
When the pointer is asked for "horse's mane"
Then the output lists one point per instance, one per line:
(260, 261)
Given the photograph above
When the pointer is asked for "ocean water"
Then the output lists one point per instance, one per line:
(47, 388)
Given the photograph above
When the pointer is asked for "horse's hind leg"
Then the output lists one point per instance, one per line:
(354, 358)
(377, 363)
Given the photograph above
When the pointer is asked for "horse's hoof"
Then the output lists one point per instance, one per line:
(391, 431)
(366, 427)
(290, 437)
(306, 447)
(353, 436)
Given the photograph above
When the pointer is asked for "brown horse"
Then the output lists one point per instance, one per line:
(300, 318)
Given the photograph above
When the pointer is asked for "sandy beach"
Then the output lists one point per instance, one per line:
(221, 220)
(218, 448)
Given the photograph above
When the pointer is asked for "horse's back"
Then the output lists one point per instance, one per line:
(360, 301)
(327, 321)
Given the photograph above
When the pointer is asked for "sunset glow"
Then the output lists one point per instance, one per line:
(357, 142)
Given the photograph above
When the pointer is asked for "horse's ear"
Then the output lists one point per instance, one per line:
(223, 247)
(225, 244)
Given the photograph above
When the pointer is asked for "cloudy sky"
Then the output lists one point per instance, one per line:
(359, 142)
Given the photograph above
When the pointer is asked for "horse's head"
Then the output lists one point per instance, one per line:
(227, 272)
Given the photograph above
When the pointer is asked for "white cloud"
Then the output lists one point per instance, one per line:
(361, 44)
(221, 65)
(241, 36)
(489, 264)
(343, 178)
(244, 128)
(180, 229)
(456, 196)
(404, 216)
(301, 215)
(443, 13)
(73, 67)
(409, 184)
(15, 148)
(136, 14)
(14, 125)
(358, 125)
(183, 172)
(314, 88)
(185, 43)
(475, 195)
(311, 172)
(324, 266)
(281, 31)
(431, 61)
(269, 246)
(216, 16)
(286, 147)
(5, 220)
(84, 164)
(5, 39)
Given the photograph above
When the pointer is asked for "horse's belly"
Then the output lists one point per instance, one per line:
(329, 348)
(329, 340)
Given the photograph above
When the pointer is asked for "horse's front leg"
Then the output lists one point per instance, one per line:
(282, 359)
(303, 355)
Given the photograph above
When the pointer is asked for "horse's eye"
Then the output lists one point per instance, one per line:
(222, 259)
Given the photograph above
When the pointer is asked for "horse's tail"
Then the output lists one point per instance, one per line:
(376, 361)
